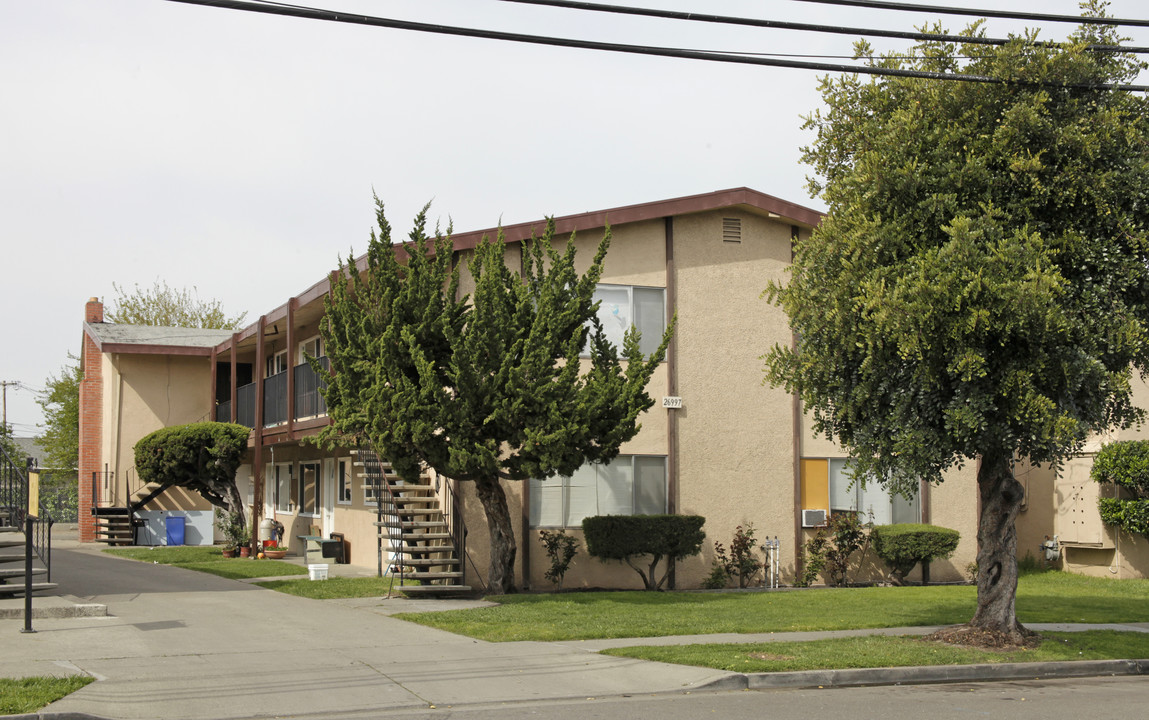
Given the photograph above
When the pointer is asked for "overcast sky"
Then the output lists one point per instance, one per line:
(235, 152)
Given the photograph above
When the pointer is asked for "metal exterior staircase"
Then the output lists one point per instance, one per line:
(426, 542)
(13, 542)
(116, 525)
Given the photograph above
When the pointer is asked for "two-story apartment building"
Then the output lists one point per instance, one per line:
(723, 445)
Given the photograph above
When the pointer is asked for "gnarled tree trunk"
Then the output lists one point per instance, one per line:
(1001, 498)
(501, 575)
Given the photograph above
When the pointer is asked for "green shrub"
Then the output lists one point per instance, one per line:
(1126, 465)
(740, 562)
(623, 537)
(832, 548)
(904, 546)
(201, 457)
(560, 549)
(1129, 515)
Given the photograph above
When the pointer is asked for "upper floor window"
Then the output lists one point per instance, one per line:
(277, 363)
(629, 485)
(312, 346)
(623, 306)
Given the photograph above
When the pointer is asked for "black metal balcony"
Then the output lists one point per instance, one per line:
(275, 399)
(245, 405)
(308, 400)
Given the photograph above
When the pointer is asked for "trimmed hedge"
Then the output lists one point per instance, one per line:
(904, 546)
(202, 457)
(1129, 515)
(623, 537)
(1125, 464)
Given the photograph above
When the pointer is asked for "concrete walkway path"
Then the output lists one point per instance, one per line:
(182, 644)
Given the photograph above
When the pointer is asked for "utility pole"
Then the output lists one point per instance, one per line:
(5, 384)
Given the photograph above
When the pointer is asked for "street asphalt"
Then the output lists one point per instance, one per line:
(176, 643)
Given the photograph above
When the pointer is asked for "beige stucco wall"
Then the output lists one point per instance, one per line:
(143, 393)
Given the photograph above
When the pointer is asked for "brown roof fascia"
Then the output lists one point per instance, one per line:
(649, 211)
(743, 196)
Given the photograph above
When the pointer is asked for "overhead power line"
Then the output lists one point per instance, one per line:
(712, 56)
(970, 12)
(785, 25)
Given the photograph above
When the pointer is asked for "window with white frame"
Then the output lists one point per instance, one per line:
(312, 346)
(343, 481)
(281, 477)
(623, 306)
(277, 363)
(309, 487)
(873, 502)
(629, 485)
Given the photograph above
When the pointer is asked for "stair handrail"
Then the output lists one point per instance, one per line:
(388, 506)
(14, 497)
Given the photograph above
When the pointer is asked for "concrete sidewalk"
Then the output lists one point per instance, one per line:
(182, 644)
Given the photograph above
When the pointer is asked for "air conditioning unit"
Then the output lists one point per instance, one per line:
(813, 518)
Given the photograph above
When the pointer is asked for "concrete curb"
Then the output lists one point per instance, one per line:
(929, 674)
(54, 716)
(55, 611)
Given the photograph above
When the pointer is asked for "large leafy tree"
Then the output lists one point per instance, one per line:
(164, 305)
(484, 388)
(61, 405)
(979, 289)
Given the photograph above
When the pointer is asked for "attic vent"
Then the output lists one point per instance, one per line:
(732, 230)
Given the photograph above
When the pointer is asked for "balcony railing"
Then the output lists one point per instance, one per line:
(245, 405)
(275, 399)
(308, 400)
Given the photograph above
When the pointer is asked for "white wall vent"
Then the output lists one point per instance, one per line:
(813, 518)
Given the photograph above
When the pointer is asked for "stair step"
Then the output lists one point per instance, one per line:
(109, 511)
(12, 543)
(412, 499)
(412, 525)
(19, 572)
(429, 562)
(420, 575)
(18, 590)
(418, 549)
(8, 529)
(411, 590)
(406, 511)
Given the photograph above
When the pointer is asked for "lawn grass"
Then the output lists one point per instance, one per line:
(28, 695)
(209, 559)
(171, 555)
(336, 587)
(1041, 597)
(881, 651)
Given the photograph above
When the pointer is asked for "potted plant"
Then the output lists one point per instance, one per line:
(234, 532)
(275, 552)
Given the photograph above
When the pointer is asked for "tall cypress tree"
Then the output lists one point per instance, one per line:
(497, 386)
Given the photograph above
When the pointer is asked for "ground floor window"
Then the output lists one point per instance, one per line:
(309, 488)
(629, 485)
(281, 480)
(343, 481)
(828, 485)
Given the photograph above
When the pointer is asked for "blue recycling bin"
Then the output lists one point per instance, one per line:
(175, 529)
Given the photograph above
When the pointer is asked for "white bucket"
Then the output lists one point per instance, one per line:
(317, 572)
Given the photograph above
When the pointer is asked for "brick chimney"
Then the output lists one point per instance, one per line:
(94, 311)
